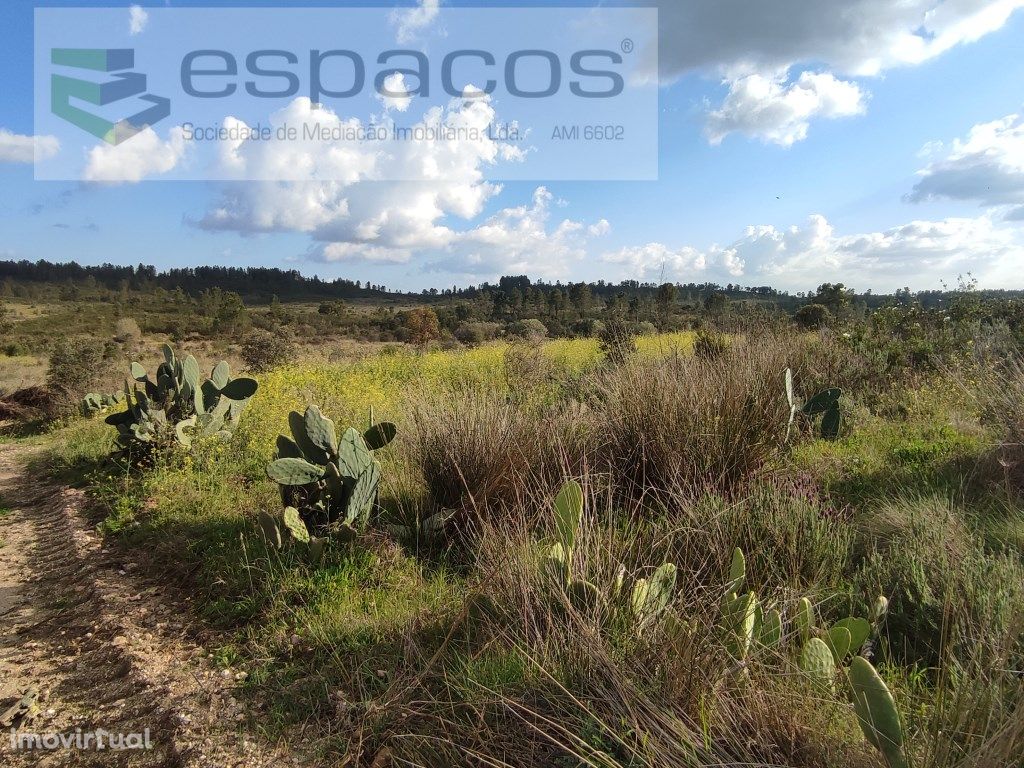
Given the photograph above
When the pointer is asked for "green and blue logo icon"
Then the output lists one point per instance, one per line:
(124, 85)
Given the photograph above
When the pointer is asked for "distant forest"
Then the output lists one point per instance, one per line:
(260, 285)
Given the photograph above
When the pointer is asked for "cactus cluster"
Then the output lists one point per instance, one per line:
(843, 639)
(648, 597)
(745, 620)
(178, 404)
(824, 404)
(289, 526)
(821, 655)
(94, 403)
(328, 485)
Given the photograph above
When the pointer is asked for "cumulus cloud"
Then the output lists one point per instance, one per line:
(779, 112)
(803, 256)
(138, 18)
(395, 84)
(435, 178)
(411, 22)
(15, 148)
(358, 216)
(523, 239)
(736, 39)
(986, 167)
(145, 154)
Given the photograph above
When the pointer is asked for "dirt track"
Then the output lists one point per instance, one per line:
(101, 648)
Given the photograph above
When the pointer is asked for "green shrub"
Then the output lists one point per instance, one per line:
(587, 327)
(74, 368)
(530, 329)
(265, 350)
(709, 344)
(811, 317)
(477, 333)
(946, 592)
(617, 340)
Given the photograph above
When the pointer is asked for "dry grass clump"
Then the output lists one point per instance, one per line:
(469, 448)
(1001, 397)
(479, 451)
(999, 394)
(703, 422)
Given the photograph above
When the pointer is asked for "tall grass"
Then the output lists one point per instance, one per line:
(704, 422)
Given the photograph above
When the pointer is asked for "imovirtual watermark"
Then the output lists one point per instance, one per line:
(95, 740)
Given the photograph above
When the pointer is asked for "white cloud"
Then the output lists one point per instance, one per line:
(517, 239)
(144, 154)
(987, 167)
(395, 83)
(15, 148)
(138, 18)
(737, 39)
(918, 253)
(437, 178)
(360, 217)
(779, 112)
(410, 22)
(521, 240)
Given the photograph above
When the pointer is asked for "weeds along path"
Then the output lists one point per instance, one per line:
(94, 647)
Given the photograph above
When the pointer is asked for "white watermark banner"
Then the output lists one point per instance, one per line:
(346, 94)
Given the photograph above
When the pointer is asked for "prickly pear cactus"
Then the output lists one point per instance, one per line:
(804, 619)
(739, 618)
(876, 712)
(818, 663)
(330, 482)
(568, 514)
(770, 632)
(826, 404)
(839, 641)
(555, 565)
(858, 628)
(879, 609)
(650, 597)
(94, 403)
(177, 405)
(271, 530)
(584, 597)
(737, 573)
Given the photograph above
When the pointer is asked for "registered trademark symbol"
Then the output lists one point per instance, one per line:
(627, 45)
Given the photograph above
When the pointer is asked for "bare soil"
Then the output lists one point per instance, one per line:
(93, 645)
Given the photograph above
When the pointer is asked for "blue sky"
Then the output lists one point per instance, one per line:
(883, 149)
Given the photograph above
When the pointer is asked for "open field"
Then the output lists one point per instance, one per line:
(645, 531)
(435, 633)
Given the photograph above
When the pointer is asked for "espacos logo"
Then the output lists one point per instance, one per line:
(122, 85)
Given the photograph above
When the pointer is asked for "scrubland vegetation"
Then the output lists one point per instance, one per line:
(777, 536)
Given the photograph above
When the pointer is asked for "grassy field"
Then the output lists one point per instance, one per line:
(438, 634)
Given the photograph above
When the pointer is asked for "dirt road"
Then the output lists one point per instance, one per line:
(85, 644)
